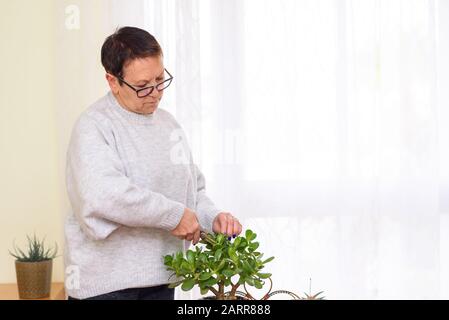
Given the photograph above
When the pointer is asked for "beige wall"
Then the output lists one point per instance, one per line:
(49, 74)
(29, 185)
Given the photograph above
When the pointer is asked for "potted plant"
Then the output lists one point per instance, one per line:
(34, 268)
(220, 266)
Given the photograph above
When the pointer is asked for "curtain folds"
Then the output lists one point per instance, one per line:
(321, 124)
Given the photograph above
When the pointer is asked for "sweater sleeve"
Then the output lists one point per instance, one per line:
(102, 196)
(205, 208)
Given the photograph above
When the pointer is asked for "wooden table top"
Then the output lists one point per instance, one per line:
(9, 291)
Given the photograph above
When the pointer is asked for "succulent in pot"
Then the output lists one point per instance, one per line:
(34, 268)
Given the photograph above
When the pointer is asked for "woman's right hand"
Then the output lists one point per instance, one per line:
(188, 228)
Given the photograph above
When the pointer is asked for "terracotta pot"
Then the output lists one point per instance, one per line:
(34, 279)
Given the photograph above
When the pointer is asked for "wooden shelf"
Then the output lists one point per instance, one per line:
(9, 291)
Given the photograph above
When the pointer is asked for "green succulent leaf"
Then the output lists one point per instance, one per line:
(218, 254)
(228, 273)
(168, 260)
(186, 267)
(190, 256)
(253, 246)
(268, 260)
(232, 254)
(205, 276)
(258, 284)
(220, 265)
(220, 238)
(250, 236)
(203, 257)
(188, 284)
(247, 267)
(209, 282)
(243, 243)
(250, 281)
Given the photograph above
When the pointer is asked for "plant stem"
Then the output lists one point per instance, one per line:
(234, 290)
(220, 295)
(214, 291)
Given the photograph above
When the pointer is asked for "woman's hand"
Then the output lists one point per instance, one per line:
(188, 228)
(227, 224)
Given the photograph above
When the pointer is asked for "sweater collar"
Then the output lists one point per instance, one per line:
(144, 119)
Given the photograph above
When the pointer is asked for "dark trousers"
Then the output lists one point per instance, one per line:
(151, 293)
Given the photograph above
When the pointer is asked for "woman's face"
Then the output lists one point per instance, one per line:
(139, 73)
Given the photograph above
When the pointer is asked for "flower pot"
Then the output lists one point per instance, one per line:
(34, 279)
(214, 298)
(225, 298)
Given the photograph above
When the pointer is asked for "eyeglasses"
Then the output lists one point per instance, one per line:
(142, 93)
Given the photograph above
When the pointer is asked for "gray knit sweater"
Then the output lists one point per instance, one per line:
(129, 178)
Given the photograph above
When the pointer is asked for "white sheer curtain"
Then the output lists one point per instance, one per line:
(323, 125)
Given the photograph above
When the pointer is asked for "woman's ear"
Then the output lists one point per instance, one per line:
(113, 83)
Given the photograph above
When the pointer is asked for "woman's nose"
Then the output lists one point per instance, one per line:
(156, 93)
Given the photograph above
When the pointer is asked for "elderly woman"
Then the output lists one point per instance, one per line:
(134, 197)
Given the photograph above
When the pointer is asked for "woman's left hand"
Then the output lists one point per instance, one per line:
(227, 224)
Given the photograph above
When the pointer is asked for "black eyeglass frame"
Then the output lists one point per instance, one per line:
(170, 79)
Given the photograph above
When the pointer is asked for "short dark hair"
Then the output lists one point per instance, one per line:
(125, 45)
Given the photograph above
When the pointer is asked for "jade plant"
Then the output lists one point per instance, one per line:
(219, 265)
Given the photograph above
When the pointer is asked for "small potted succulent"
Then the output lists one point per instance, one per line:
(34, 268)
(220, 266)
